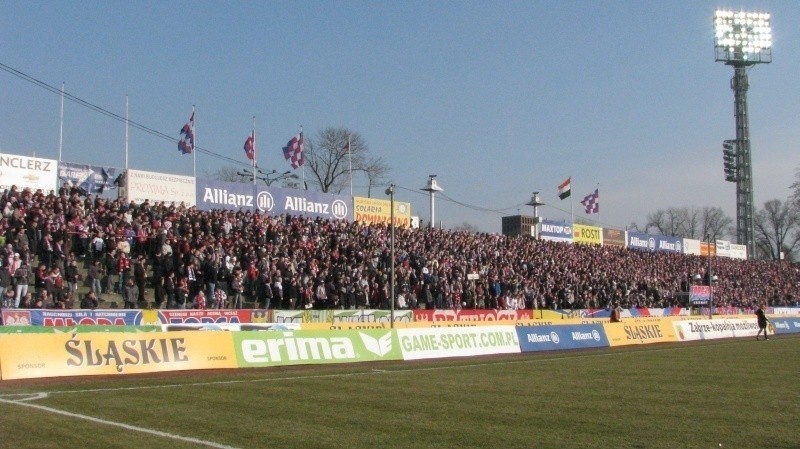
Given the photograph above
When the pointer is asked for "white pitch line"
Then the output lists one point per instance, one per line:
(116, 424)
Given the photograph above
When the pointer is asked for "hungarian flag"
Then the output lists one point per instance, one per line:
(565, 188)
(591, 202)
(250, 146)
(293, 151)
(186, 143)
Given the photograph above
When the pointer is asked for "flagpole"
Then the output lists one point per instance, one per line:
(571, 209)
(350, 157)
(126, 132)
(254, 153)
(61, 126)
(597, 189)
(194, 144)
(305, 186)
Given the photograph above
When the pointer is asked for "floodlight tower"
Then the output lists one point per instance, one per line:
(742, 39)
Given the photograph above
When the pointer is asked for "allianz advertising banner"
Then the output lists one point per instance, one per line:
(28, 172)
(556, 231)
(647, 242)
(91, 178)
(211, 194)
(549, 338)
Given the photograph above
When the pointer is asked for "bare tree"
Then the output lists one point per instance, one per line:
(466, 227)
(671, 221)
(376, 171)
(330, 155)
(777, 229)
(689, 222)
(796, 188)
(714, 223)
(227, 174)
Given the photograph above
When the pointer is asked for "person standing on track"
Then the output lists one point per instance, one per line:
(762, 322)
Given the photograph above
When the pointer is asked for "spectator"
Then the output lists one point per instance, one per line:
(90, 301)
(130, 294)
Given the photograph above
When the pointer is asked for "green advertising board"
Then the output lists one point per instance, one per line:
(257, 349)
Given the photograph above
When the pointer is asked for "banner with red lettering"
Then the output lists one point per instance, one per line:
(472, 315)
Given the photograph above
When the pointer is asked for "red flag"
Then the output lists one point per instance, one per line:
(250, 146)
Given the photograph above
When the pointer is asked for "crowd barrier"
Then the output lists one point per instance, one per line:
(49, 351)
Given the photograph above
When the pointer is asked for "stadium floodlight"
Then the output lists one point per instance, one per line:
(742, 39)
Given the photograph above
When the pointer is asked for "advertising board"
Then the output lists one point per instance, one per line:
(430, 343)
(28, 172)
(255, 349)
(211, 194)
(159, 187)
(638, 331)
(555, 231)
(378, 211)
(551, 338)
(76, 354)
(591, 235)
(91, 179)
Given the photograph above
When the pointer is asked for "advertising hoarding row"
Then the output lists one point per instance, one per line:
(130, 350)
(561, 231)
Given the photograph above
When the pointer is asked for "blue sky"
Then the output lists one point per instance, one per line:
(497, 98)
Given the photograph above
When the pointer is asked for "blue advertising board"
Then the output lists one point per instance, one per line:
(648, 242)
(213, 194)
(90, 178)
(786, 325)
(557, 231)
(551, 338)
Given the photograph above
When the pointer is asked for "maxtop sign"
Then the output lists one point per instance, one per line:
(557, 231)
(255, 349)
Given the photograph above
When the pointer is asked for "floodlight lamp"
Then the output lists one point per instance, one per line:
(742, 37)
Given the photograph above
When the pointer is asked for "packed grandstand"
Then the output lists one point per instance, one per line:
(67, 249)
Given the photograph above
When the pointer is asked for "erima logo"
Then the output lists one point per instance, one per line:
(378, 346)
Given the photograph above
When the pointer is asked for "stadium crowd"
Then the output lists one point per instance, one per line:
(172, 256)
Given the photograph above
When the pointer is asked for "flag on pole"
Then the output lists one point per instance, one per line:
(186, 144)
(293, 151)
(346, 147)
(591, 202)
(250, 146)
(565, 188)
